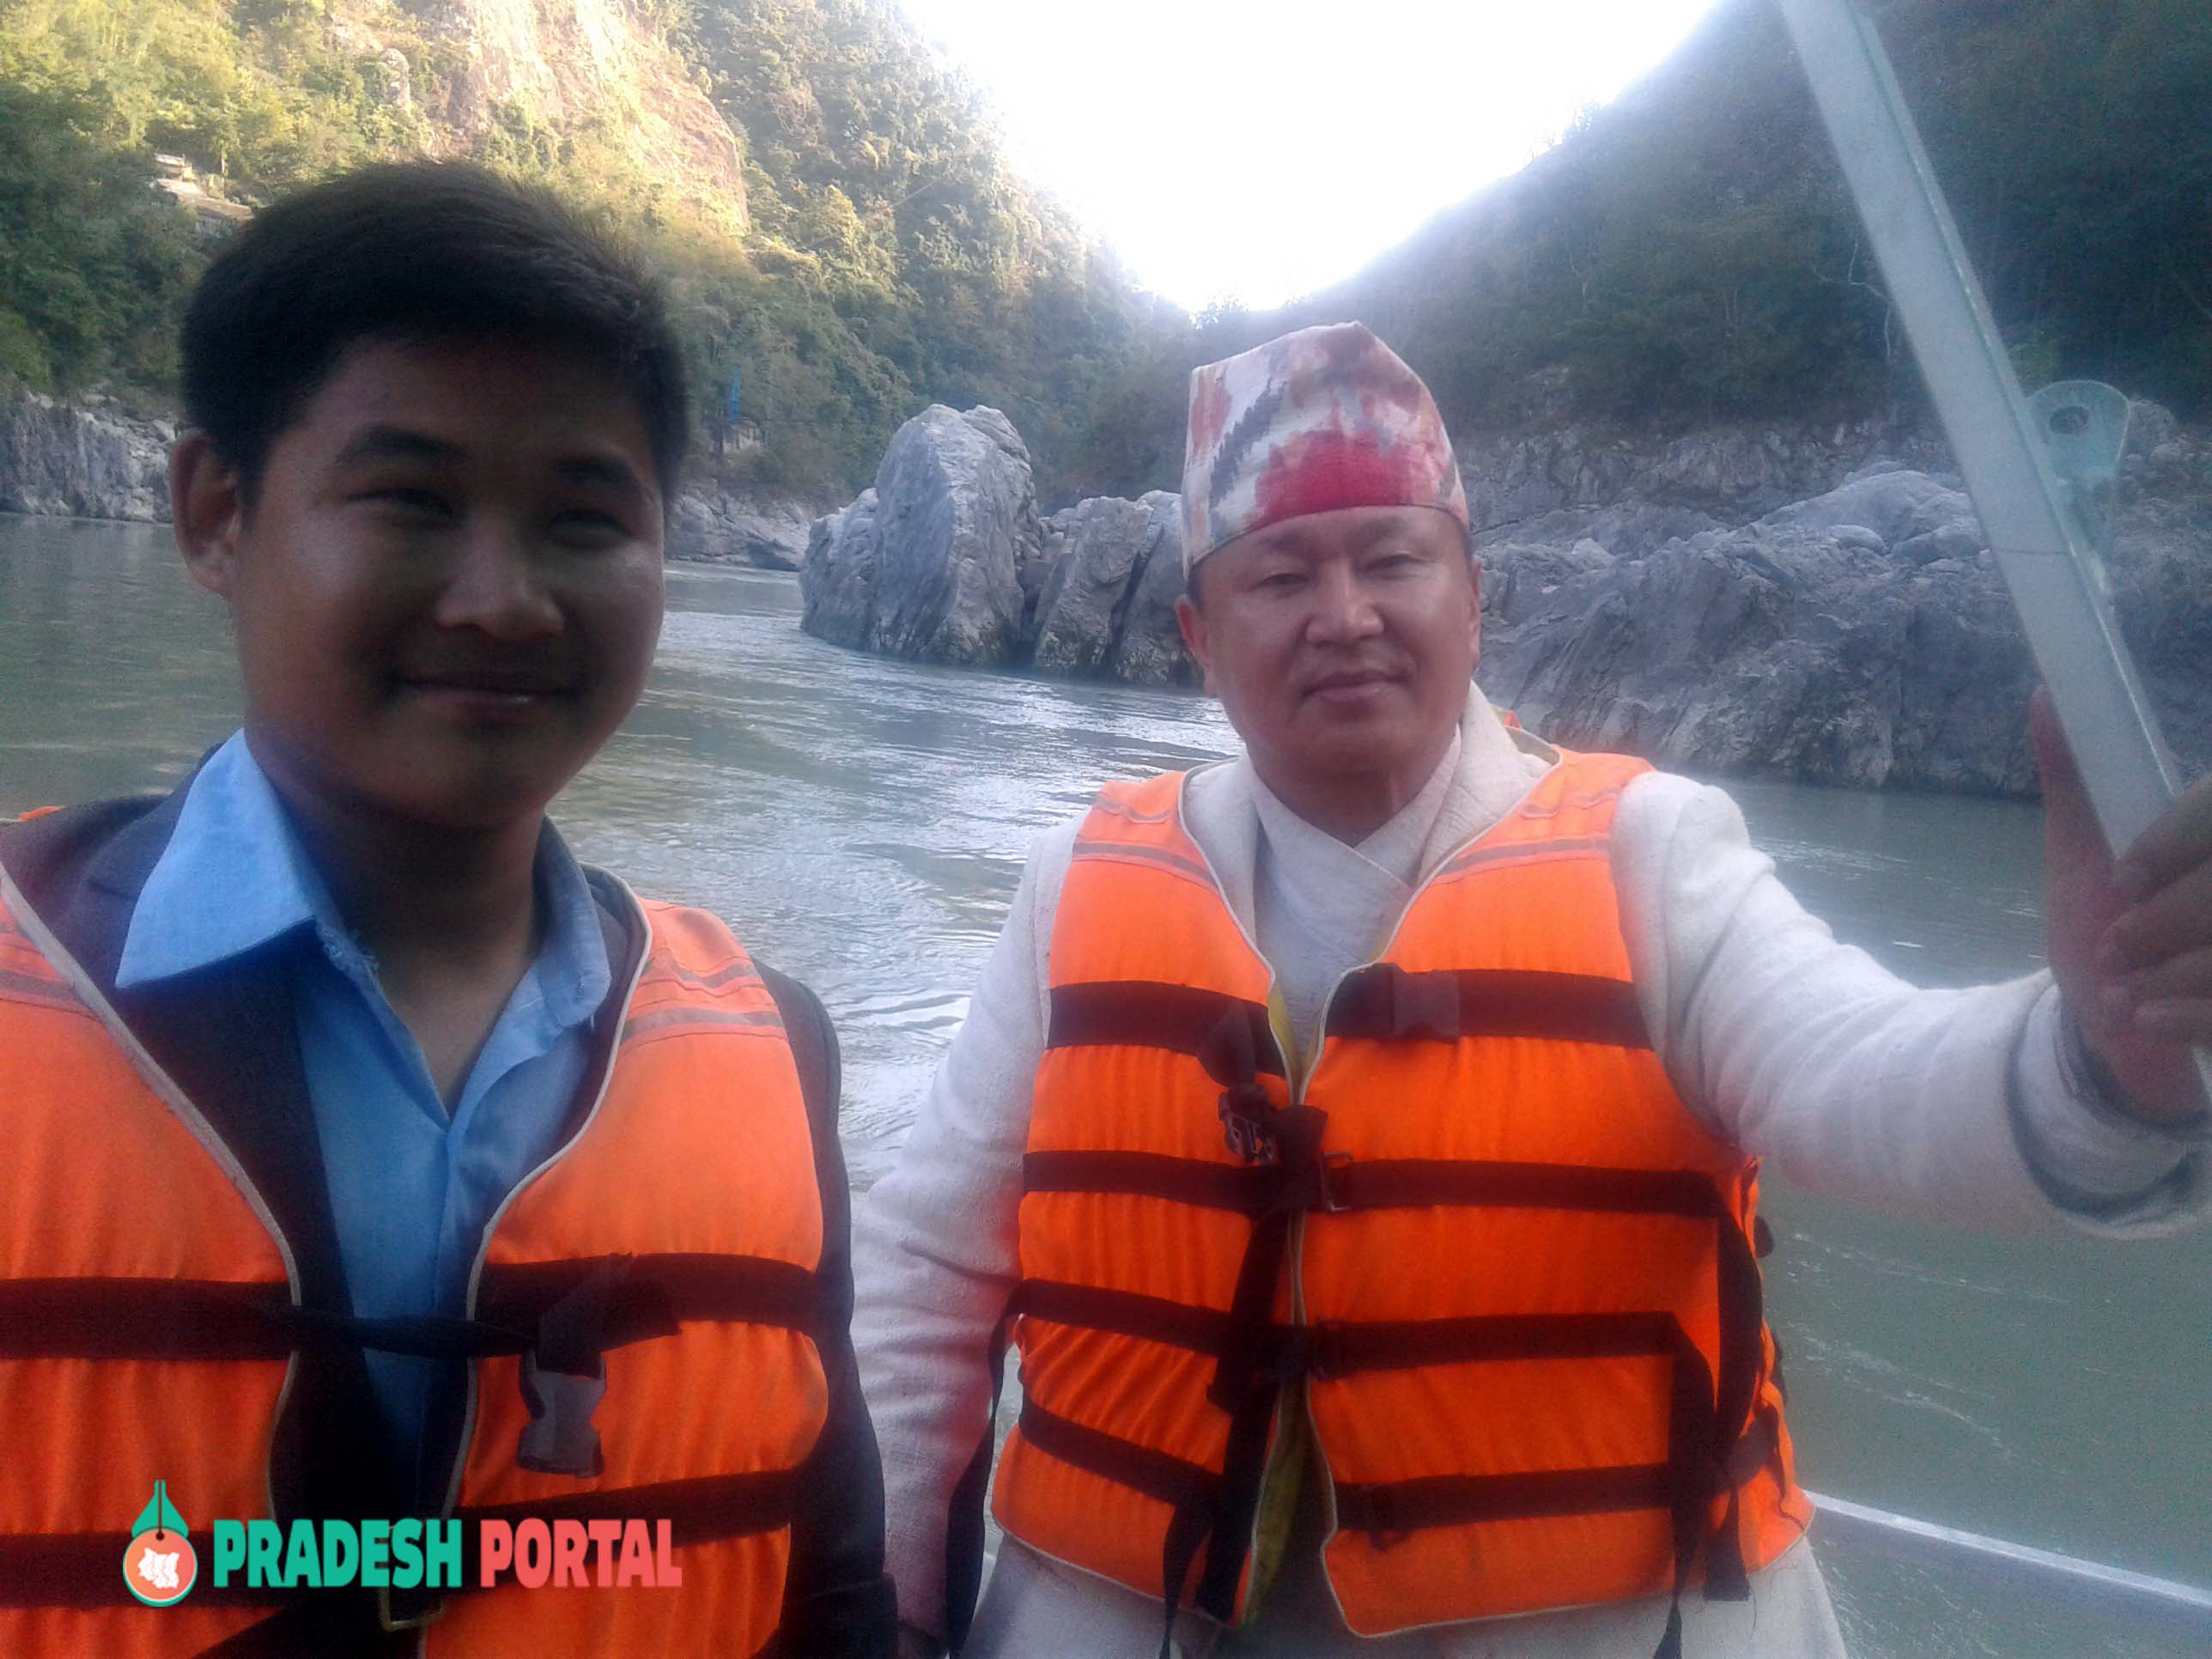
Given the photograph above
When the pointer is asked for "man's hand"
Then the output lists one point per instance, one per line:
(2131, 939)
(918, 1643)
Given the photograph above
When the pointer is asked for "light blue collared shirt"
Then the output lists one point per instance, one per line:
(411, 1188)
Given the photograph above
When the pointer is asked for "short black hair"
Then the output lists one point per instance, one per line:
(415, 251)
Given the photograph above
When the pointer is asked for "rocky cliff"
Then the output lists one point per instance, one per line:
(1862, 636)
(590, 69)
(711, 525)
(93, 459)
(1112, 571)
(1780, 601)
(1549, 461)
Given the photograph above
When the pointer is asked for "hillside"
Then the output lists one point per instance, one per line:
(842, 231)
(831, 204)
(1687, 256)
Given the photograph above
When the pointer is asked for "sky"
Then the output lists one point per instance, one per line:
(1255, 150)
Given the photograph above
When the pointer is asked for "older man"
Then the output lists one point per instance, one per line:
(1361, 1137)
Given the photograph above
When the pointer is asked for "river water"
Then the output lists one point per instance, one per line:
(863, 825)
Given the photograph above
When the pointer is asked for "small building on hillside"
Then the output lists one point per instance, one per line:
(213, 218)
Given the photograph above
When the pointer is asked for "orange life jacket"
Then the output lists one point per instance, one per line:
(1510, 1274)
(148, 1323)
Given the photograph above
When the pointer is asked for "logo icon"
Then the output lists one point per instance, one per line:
(158, 1564)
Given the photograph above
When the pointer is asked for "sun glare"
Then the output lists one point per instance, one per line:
(1254, 151)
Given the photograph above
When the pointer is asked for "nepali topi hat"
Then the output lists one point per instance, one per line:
(1323, 418)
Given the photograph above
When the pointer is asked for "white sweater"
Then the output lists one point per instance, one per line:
(1796, 1048)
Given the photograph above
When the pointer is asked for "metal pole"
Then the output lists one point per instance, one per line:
(2044, 538)
(2039, 534)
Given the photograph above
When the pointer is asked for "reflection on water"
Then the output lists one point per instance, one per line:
(864, 825)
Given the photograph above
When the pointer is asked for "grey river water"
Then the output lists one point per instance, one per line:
(862, 823)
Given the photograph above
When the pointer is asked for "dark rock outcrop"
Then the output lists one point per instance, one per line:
(1149, 649)
(837, 578)
(954, 523)
(1890, 507)
(1549, 462)
(1094, 556)
(1861, 637)
(1113, 570)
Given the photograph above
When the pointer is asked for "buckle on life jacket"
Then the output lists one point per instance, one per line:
(1298, 1352)
(1380, 1523)
(564, 1378)
(1382, 1000)
(427, 1609)
(560, 1437)
(1245, 1110)
(1335, 1182)
(1421, 1005)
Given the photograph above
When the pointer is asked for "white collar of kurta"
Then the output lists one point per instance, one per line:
(1333, 890)
(1482, 778)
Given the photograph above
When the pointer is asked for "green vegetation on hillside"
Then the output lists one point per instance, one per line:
(1685, 255)
(888, 258)
(894, 258)
(92, 265)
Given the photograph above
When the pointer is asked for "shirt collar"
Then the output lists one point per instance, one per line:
(571, 967)
(235, 875)
(1393, 850)
(1335, 886)
(1496, 770)
(232, 878)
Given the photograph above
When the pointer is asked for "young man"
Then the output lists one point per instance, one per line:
(363, 1157)
(1363, 1133)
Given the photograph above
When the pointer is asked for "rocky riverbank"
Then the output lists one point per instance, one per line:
(93, 459)
(712, 525)
(1861, 636)
(1816, 605)
(99, 458)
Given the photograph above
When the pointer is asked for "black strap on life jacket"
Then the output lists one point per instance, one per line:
(1203, 1500)
(1281, 1145)
(1283, 1171)
(568, 1312)
(1140, 1013)
(1337, 1182)
(1384, 1001)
